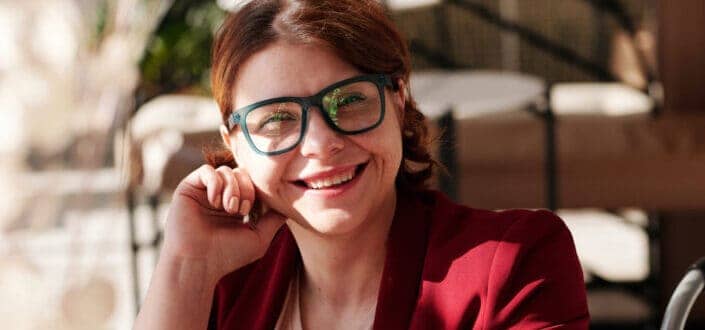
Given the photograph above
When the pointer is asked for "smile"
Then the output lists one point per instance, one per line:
(332, 181)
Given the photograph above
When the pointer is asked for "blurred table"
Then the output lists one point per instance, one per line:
(409, 4)
(599, 98)
(449, 96)
(471, 93)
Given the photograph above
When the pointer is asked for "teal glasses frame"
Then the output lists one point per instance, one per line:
(238, 116)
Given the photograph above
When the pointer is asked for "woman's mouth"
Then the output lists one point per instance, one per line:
(333, 181)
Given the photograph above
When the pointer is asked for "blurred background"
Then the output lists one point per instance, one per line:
(591, 108)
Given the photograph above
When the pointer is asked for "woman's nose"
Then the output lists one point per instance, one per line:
(320, 140)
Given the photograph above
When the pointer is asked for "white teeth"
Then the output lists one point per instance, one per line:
(331, 181)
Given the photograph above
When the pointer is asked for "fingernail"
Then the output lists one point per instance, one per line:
(245, 207)
(233, 204)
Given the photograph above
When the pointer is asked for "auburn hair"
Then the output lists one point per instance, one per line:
(359, 31)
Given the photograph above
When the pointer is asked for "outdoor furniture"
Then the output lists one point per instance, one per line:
(606, 158)
(165, 141)
(684, 297)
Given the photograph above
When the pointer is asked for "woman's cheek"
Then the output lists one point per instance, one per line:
(267, 173)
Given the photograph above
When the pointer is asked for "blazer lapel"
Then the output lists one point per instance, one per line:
(267, 286)
(406, 251)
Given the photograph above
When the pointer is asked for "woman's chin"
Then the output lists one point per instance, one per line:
(330, 222)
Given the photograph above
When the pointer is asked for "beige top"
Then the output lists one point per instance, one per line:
(290, 317)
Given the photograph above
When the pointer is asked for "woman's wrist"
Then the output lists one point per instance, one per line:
(186, 269)
(180, 294)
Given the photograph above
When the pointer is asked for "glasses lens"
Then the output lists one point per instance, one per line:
(353, 107)
(274, 127)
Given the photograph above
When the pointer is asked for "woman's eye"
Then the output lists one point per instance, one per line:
(276, 118)
(351, 99)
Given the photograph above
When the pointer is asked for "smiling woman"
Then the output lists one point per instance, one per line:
(320, 131)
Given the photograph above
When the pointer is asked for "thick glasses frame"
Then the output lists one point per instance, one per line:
(238, 116)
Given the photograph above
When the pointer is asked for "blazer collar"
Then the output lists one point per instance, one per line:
(406, 251)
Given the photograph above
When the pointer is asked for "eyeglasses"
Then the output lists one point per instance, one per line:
(351, 106)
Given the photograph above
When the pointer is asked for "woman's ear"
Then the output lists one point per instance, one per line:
(225, 135)
(400, 96)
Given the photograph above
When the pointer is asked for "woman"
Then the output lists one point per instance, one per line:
(324, 140)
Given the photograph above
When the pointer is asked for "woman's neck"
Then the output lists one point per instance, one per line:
(345, 270)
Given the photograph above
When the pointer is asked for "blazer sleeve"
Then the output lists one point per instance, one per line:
(535, 279)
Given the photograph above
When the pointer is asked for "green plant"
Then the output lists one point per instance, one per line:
(178, 56)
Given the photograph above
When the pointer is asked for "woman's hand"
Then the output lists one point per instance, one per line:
(205, 221)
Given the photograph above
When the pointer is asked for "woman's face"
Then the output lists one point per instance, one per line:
(286, 182)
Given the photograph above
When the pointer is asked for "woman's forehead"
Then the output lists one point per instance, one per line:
(286, 69)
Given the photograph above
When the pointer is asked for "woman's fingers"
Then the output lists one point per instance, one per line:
(206, 178)
(247, 190)
(231, 191)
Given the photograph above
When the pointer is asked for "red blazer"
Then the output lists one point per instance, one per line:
(447, 267)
